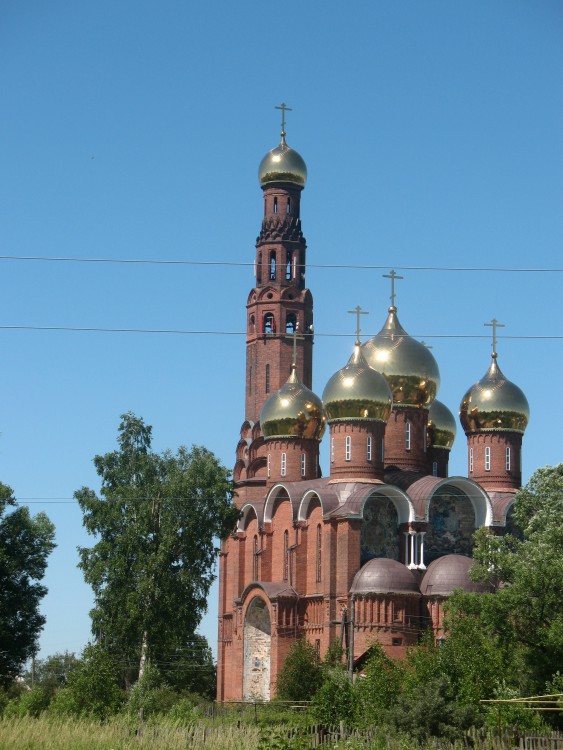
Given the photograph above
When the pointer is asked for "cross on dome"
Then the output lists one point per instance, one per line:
(357, 311)
(494, 324)
(284, 108)
(295, 338)
(392, 275)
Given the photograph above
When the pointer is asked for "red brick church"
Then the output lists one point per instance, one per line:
(371, 550)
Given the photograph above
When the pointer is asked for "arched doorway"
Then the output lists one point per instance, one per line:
(257, 651)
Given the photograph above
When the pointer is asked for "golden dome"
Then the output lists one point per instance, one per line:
(282, 164)
(357, 392)
(408, 366)
(293, 411)
(441, 426)
(494, 403)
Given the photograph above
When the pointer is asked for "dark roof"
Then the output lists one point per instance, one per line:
(384, 576)
(448, 573)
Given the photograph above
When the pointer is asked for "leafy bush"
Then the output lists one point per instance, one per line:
(151, 695)
(333, 702)
(301, 675)
(30, 703)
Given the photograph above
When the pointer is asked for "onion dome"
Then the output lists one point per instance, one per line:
(408, 366)
(384, 576)
(282, 164)
(294, 411)
(494, 404)
(441, 426)
(448, 573)
(357, 392)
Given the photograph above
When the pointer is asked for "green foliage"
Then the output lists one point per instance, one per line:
(301, 674)
(526, 611)
(151, 694)
(25, 544)
(378, 689)
(333, 702)
(156, 523)
(30, 703)
(92, 689)
(53, 672)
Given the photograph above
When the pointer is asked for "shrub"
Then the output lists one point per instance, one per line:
(301, 675)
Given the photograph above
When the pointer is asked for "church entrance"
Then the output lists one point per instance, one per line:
(257, 652)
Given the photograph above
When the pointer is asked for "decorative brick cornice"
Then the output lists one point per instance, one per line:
(287, 229)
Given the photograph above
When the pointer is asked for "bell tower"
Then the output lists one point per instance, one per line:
(280, 303)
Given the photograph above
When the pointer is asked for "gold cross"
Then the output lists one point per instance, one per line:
(284, 109)
(295, 337)
(392, 276)
(494, 324)
(357, 311)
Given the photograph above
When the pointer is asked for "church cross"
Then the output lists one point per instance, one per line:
(494, 324)
(284, 108)
(425, 345)
(357, 311)
(295, 338)
(392, 276)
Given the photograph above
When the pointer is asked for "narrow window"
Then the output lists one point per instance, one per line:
(289, 205)
(368, 448)
(283, 464)
(434, 468)
(269, 323)
(303, 464)
(425, 438)
(275, 205)
(319, 552)
(318, 648)
(267, 384)
(255, 559)
(408, 436)
(487, 459)
(273, 265)
(285, 555)
(259, 269)
(269, 465)
(288, 266)
(382, 450)
(508, 459)
(249, 380)
(332, 450)
(471, 459)
(348, 447)
(290, 323)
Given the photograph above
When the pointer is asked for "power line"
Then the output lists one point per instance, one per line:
(184, 332)
(353, 266)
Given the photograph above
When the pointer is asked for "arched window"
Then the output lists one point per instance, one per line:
(508, 459)
(408, 436)
(288, 266)
(319, 559)
(368, 448)
(332, 450)
(471, 459)
(382, 450)
(290, 323)
(434, 468)
(275, 205)
(289, 205)
(283, 464)
(255, 559)
(269, 323)
(267, 383)
(487, 459)
(273, 265)
(285, 555)
(425, 438)
(269, 465)
(249, 380)
(303, 464)
(259, 269)
(348, 447)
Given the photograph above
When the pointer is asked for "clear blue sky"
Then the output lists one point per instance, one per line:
(432, 132)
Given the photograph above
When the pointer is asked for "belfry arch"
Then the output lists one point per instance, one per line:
(257, 651)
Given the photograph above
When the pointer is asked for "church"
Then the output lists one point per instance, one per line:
(370, 551)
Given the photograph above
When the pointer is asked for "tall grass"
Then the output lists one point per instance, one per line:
(47, 733)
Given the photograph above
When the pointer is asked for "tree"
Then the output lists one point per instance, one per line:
(301, 674)
(25, 544)
(526, 609)
(156, 523)
(53, 672)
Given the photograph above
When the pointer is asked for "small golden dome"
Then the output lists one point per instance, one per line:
(441, 426)
(282, 164)
(408, 366)
(357, 392)
(494, 404)
(293, 411)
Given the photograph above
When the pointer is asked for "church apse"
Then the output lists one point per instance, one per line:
(451, 524)
(379, 534)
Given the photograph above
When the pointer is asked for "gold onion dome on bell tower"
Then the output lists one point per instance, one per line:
(293, 412)
(282, 164)
(493, 404)
(441, 426)
(357, 392)
(408, 366)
